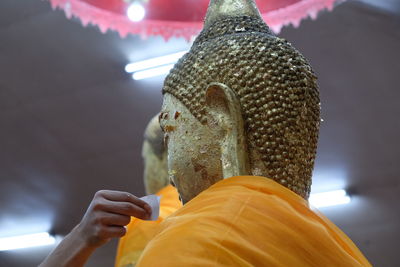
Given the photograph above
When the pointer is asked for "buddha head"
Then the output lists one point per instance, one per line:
(155, 158)
(241, 102)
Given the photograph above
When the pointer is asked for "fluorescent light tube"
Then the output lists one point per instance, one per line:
(154, 62)
(26, 241)
(332, 198)
(139, 75)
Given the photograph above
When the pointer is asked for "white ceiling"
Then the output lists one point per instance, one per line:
(72, 120)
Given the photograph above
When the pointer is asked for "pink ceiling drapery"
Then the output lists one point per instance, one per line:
(180, 18)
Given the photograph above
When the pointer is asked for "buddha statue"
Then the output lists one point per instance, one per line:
(155, 158)
(241, 117)
(241, 102)
(156, 181)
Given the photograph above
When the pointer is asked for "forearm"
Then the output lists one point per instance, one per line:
(105, 218)
(73, 251)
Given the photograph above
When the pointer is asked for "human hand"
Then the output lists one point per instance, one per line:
(107, 215)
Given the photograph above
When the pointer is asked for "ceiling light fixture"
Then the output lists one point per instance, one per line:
(154, 62)
(26, 241)
(154, 66)
(136, 12)
(332, 198)
(153, 72)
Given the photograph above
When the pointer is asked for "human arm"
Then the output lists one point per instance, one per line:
(105, 218)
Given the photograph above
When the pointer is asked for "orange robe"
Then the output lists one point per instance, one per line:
(249, 221)
(139, 232)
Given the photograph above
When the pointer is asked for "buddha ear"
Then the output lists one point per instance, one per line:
(217, 102)
(222, 102)
(223, 106)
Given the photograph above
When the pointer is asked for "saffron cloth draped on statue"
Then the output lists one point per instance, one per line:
(249, 221)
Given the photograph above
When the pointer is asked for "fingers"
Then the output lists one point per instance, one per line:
(123, 197)
(122, 208)
(111, 219)
(107, 215)
(116, 231)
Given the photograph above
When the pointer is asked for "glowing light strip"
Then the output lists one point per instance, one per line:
(153, 62)
(332, 198)
(26, 241)
(139, 75)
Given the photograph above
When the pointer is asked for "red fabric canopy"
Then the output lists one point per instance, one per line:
(180, 18)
